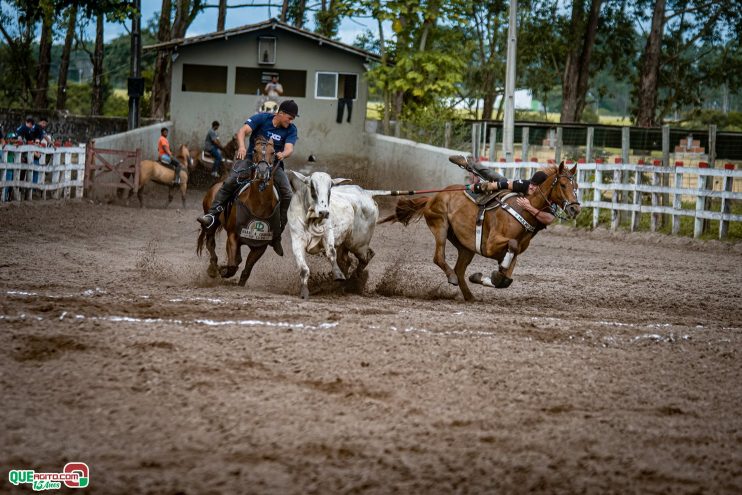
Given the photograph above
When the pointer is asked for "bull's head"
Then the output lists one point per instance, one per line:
(317, 188)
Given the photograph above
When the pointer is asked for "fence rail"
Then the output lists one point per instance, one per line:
(28, 171)
(656, 190)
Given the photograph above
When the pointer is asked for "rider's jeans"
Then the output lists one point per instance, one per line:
(217, 154)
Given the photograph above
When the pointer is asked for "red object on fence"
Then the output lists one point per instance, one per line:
(641, 161)
(703, 165)
(57, 143)
(678, 163)
(729, 166)
(534, 159)
(581, 160)
(657, 163)
(502, 160)
(618, 160)
(551, 161)
(518, 160)
(569, 162)
(599, 160)
(68, 143)
(483, 159)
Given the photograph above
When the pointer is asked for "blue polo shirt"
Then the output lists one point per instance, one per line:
(262, 125)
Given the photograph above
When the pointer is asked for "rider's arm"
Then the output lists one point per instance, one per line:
(288, 149)
(244, 131)
(544, 217)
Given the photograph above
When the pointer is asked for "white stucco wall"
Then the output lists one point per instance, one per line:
(402, 164)
(144, 138)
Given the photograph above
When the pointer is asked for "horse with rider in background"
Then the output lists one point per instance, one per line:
(152, 171)
(250, 219)
(499, 229)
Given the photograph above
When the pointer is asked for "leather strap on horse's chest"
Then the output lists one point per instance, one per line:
(517, 216)
(478, 230)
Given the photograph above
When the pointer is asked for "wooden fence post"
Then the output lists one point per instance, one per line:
(447, 135)
(700, 202)
(664, 179)
(475, 136)
(677, 202)
(558, 147)
(710, 179)
(635, 215)
(597, 193)
(493, 144)
(727, 187)
(523, 172)
(589, 145)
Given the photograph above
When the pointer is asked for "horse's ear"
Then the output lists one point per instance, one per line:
(561, 168)
(340, 180)
(573, 170)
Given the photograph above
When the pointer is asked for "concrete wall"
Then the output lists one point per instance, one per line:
(144, 138)
(319, 133)
(402, 164)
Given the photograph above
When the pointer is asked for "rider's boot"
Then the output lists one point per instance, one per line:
(176, 181)
(211, 218)
(276, 242)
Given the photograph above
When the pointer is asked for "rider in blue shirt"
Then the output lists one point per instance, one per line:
(281, 129)
(26, 131)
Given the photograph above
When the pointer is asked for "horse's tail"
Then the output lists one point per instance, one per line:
(200, 243)
(407, 210)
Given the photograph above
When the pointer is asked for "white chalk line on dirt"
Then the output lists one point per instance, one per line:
(172, 321)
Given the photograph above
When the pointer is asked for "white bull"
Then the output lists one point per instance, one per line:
(337, 220)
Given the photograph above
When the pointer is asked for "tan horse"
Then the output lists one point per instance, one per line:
(159, 173)
(452, 216)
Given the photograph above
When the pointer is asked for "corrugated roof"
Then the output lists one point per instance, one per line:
(270, 23)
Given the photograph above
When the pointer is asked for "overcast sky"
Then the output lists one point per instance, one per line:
(205, 22)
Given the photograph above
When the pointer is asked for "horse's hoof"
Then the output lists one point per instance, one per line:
(453, 280)
(305, 293)
(339, 277)
(213, 271)
(500, 281)
(227, 271)
(475, 278)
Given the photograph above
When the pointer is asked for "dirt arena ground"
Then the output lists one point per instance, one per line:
(611, 365)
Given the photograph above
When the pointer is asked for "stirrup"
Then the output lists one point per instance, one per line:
(207, 221)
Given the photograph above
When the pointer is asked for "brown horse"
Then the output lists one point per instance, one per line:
(159, 173)
(452, 216)
(228, 152)
(261, 201)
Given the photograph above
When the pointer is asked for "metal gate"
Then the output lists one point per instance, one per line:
(124, 165)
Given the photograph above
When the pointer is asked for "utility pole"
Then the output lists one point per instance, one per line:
(135, 82)
(508, 125)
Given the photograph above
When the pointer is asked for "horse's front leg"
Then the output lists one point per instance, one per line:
(331, 254)
(502, 278)
(233, 256)
(298, 245)
(252, 258)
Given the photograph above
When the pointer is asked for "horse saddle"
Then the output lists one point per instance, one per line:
(206, 157)
(489, 199)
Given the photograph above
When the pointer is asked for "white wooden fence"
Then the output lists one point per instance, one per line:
(29, 171)
(632, 189)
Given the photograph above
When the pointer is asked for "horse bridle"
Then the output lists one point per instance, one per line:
(554, 207)
(264, 183)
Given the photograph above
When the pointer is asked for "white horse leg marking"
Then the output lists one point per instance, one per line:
(507, 260)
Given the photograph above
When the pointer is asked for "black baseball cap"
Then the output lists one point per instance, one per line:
(539, 177)
(290, 107)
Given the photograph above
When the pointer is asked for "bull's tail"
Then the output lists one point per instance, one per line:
(407, 210)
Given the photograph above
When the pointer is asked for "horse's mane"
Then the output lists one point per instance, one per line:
(550, 169)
